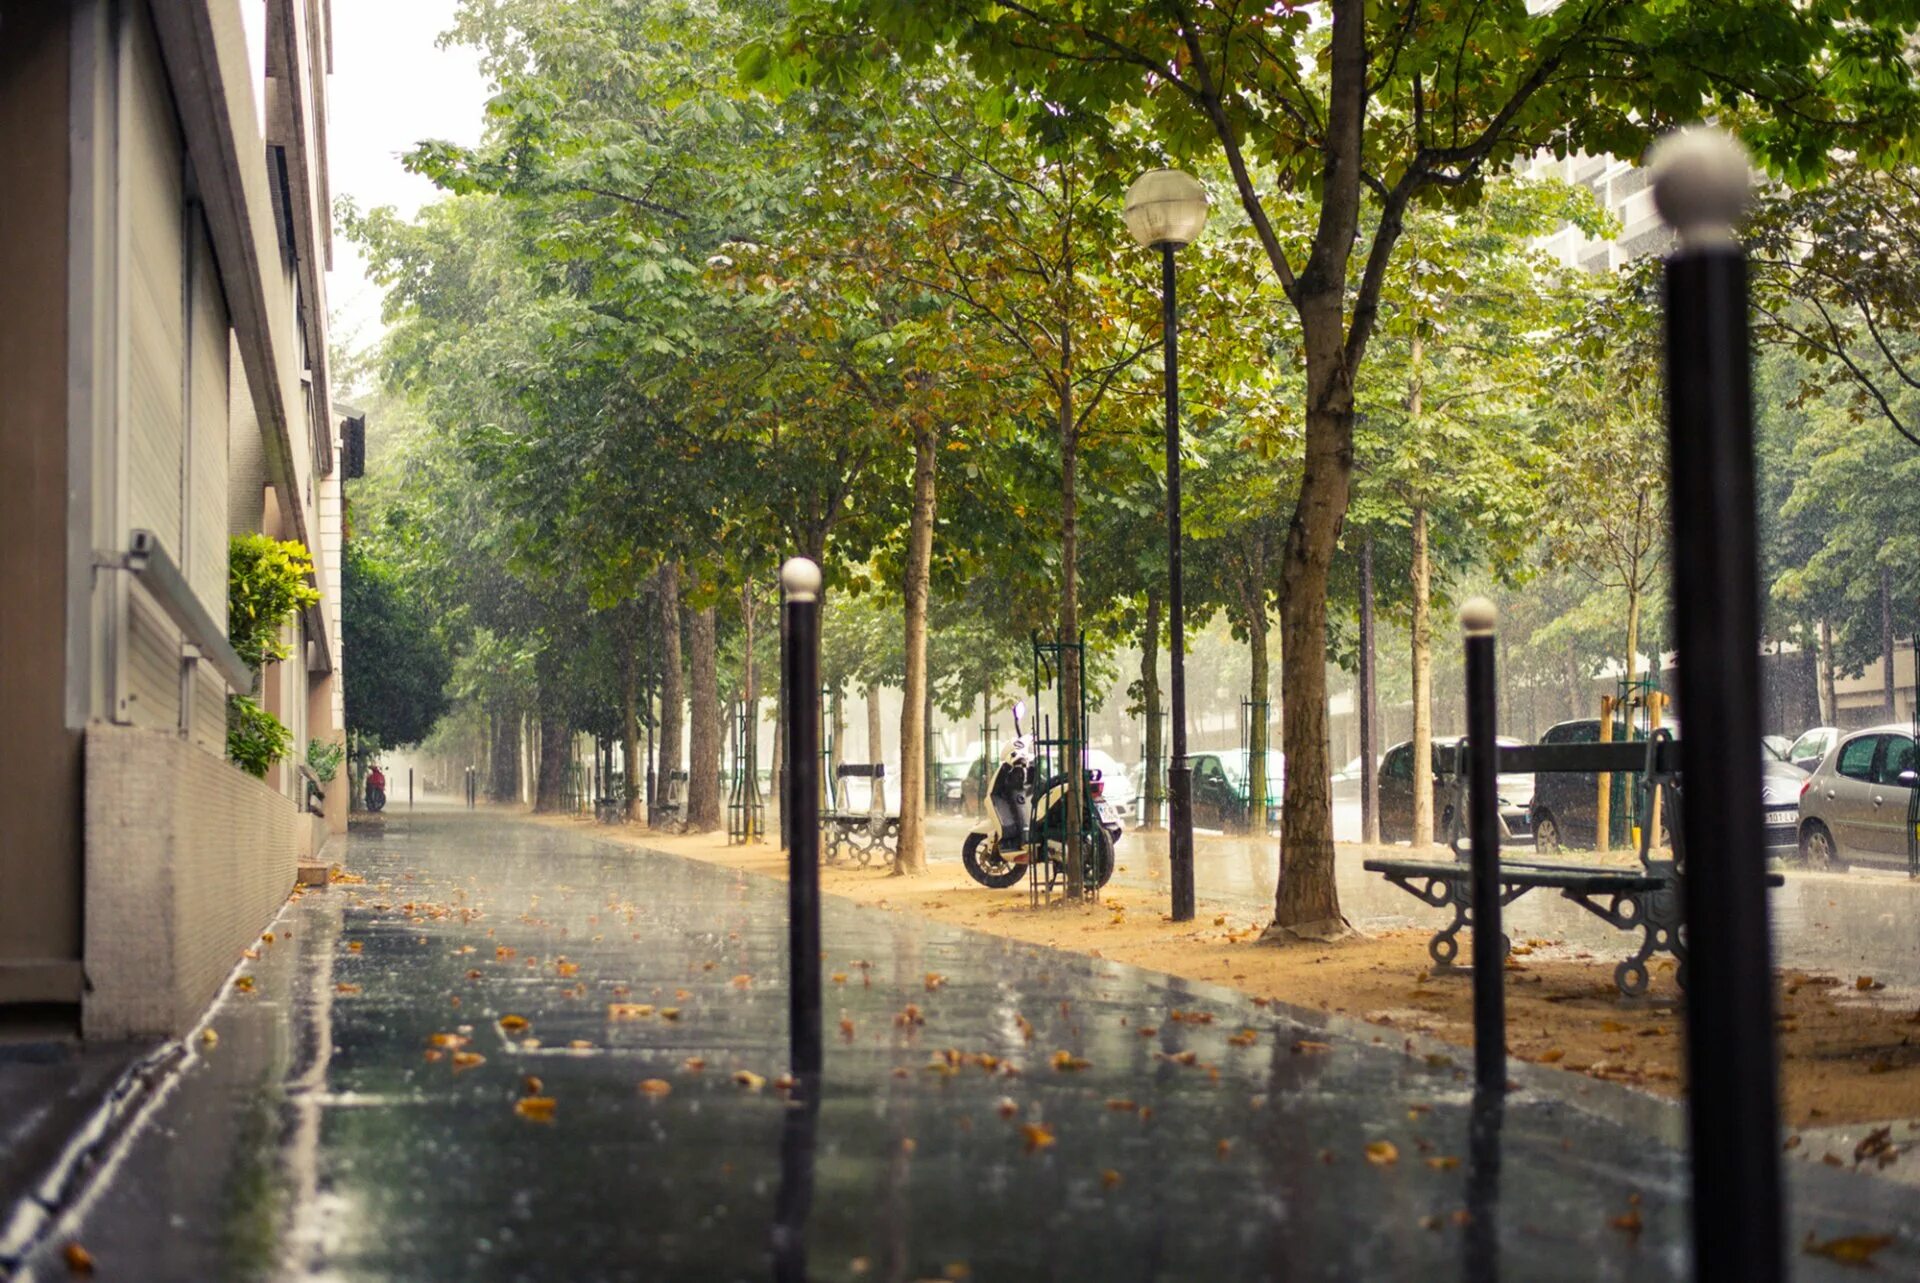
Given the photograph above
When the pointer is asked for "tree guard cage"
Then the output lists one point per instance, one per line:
(746, 812)
(1059, 751)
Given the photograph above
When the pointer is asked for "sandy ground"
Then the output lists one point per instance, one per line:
(1848, 1055)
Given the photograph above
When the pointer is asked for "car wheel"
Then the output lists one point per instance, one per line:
(1818, 850)
(1546, 834)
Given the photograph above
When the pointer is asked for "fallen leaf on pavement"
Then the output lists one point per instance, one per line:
(1383, 1153)
(1037, 1135)
(536, 1109)
(1853, 1249)
(748, 1079)
(656, 1087)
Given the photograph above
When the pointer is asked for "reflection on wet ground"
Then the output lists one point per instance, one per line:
(322, 1138)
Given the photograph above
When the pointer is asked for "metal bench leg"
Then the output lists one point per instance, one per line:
(1445, 945)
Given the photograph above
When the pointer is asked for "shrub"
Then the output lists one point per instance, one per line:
(324, 758)
(256, 739)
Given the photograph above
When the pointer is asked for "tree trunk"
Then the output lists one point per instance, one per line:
(1260, 715)
(703, 745)
(673, 695)
(1421, 635)
(1369, 707)
(630, 709)
(503, 770)
(1154, 784)
(1886, 643)
(750, 696)
(876, 747)
(552, 791)
(915, 725)
(1307, 901)
(1829, 696)
(1072, 732)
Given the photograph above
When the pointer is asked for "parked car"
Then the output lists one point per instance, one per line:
(1396, 797)
(1812, 747)
(1566, 805)
(1220, 788)
(1780, 785)
(1855, 807)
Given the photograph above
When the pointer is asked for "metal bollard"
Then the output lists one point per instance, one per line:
(1700, 184)
(1477, 619)
(800, 579)
(409, 788)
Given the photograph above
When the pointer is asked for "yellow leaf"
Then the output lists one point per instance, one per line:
(1038, 1136)
(1382, 1153)
(1854, 1249)
(536, 1109)
(656, 1087)
(513, 1024)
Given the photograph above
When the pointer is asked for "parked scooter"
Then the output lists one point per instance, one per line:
(1025, 825)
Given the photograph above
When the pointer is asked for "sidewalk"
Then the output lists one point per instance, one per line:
(338, 1128)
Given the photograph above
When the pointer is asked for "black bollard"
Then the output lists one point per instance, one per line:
(1482, 1239)
(1700, 186)
(800, 579)
(1483, 829)
(793, 1200)
(409, 788)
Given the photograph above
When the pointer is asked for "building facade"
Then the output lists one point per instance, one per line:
(164, 234)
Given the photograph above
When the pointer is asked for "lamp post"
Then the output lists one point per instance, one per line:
(1166, 210)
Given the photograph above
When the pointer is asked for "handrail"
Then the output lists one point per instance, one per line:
(148, 560)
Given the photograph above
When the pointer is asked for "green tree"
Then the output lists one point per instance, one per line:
(396, 682)
(1361, 110)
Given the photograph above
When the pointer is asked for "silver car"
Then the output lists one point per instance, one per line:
(1856, 806)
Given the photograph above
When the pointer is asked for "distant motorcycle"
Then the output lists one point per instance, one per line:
(1025, 825)
(376, 798)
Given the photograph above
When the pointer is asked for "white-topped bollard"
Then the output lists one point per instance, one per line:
(800, 582)
(1701, 181)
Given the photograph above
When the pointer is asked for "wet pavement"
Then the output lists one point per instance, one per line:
(337, 1129)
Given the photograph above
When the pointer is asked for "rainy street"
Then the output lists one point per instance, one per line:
(364, 1105)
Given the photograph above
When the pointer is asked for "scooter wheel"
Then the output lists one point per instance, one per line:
(1099, 854)
(985, 866)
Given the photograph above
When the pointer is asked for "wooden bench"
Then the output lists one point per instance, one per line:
(1645, 897)
(856, 836)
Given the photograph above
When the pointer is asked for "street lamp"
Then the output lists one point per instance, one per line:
(1166, 210)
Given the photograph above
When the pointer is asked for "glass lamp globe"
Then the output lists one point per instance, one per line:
(1166, 207)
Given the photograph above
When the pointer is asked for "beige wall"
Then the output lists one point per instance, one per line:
(39, 753)
(186, 859)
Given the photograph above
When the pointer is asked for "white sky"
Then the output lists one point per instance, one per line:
(391, 88)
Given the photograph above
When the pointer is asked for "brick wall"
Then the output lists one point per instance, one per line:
(187, 859)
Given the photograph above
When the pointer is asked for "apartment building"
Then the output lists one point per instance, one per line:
(164, 234)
